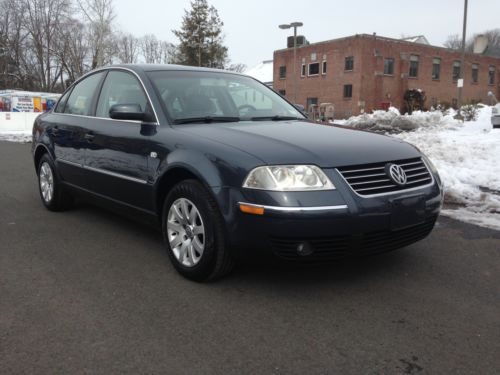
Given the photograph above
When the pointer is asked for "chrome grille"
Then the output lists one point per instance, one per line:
(370, 179)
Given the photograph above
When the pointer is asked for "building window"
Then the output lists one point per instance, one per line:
(475, 73)
(456, 70)
(491, 75)
(282, 92)
(413, 66)
(436, 68)
(347, 91)
(349, 63)
(389, 66)
(323, 71)
(310, 102)
(303, 70)
(282, 72)
(313, 69)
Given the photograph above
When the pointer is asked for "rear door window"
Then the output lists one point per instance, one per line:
(80, 100)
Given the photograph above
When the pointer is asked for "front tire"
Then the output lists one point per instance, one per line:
(52, 193)
(193, 232)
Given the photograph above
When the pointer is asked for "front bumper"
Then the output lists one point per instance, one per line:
(330, 224)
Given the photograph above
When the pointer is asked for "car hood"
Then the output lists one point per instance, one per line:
(303, 142)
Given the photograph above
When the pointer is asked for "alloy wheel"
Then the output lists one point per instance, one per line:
(46, 182)
(186, 232)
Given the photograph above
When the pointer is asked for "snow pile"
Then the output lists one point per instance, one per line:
(392, 121)
(467, 156)
(263, 72)
(16, 136)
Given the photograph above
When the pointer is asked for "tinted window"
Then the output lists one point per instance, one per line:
(313, 69)
(389, 66)
(62, 102)
(80, 100)
(349, 63)
(187, 94)
(413, 66)
(120, 88)
(282, 71)
(347, 91)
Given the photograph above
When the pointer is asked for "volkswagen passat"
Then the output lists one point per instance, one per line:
(224, 163)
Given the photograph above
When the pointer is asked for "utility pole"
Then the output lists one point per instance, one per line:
(295, 25)
(462, 59)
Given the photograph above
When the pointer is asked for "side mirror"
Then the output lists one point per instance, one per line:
(128, 112)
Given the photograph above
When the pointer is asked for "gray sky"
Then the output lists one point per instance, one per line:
(251, 27)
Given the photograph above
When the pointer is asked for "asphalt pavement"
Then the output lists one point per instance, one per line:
(87, 291)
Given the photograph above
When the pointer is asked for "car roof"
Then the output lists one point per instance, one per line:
(163, 67)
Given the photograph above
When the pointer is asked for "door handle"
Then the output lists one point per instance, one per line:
(89, 136)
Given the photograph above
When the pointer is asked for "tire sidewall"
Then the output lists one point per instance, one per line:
(52, 205)
(196, 193)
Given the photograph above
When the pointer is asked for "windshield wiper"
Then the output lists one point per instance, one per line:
(206, 119)
(274, 118)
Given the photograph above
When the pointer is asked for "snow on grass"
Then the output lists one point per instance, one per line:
(467, 155)
(16, 136)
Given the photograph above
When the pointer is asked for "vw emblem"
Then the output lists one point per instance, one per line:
(396, 173)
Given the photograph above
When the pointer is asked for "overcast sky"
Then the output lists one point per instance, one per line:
(251, 27)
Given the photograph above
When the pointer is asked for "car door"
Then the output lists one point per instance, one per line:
(117, 155)
(67, 129)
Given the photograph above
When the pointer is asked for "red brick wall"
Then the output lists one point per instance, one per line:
(370, 86)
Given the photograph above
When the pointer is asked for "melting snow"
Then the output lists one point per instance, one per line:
(16, 136)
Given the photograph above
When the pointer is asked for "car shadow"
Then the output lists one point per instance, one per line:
(258, 267)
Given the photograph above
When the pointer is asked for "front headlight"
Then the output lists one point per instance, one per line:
(288, 178)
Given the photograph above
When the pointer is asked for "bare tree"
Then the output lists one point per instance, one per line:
(238, 68)
(15, 40)
(73, 51)
(453, 42)
(42, 21)
(155, 51)
(128, 48)
(100, 16)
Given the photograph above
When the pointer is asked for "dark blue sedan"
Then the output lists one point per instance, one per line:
(224, 164)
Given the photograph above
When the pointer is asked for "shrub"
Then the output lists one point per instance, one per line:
(470, 111)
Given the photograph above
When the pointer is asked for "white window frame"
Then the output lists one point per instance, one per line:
(323, 70)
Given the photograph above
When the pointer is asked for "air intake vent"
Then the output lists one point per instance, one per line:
(371, 179)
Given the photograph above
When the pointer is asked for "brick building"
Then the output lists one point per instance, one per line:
(365, 72)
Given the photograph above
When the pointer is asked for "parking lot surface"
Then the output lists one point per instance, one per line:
(87, 291)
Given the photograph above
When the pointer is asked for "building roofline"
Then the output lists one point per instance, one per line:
(394, 40)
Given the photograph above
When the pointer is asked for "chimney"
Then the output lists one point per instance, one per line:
(480, 44)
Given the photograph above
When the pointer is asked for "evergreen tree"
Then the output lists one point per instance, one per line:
(200, 36)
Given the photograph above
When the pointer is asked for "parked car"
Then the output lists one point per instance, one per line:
(495, 115)
(225, 164)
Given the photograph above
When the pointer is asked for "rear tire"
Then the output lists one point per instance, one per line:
(52, 193)
(193, 232)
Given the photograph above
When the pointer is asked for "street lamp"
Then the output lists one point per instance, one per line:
(462, 60)
(295, 25)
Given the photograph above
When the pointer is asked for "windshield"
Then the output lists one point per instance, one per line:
(190, 96)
